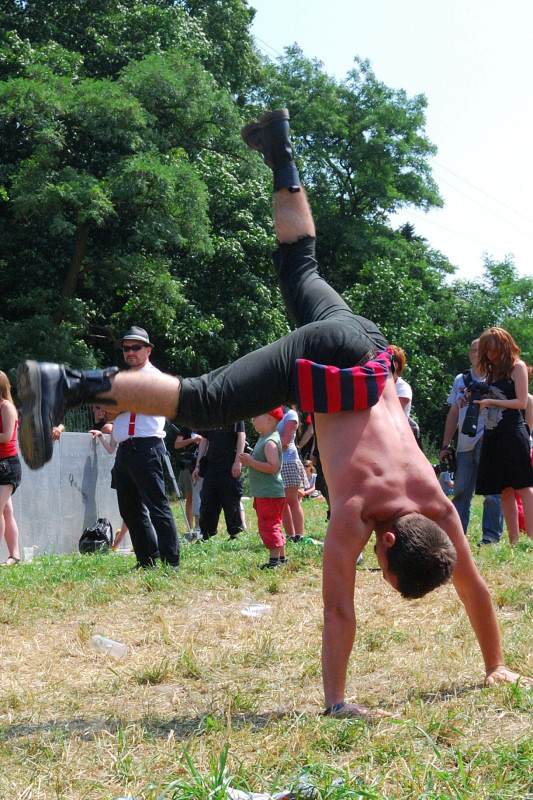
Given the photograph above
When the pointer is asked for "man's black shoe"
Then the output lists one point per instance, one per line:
(269, 135)
(46, 391)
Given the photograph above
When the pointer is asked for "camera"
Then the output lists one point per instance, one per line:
(448, 464)
(477, 391)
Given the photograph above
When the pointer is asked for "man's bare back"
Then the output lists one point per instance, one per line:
(377, 473)
(372, 461)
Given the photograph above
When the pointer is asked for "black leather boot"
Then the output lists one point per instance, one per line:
(46, 391)
(270, 136)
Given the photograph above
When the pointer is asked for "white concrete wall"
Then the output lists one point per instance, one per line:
(54, 504)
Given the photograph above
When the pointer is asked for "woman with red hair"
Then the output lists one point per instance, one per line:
(505, 460)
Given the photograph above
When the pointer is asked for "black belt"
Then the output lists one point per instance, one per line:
(138, 439)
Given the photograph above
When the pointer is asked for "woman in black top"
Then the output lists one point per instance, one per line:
(505, 460)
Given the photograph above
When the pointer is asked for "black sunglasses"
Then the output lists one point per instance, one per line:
(127, 347)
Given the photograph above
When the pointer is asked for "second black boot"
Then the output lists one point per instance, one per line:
(46, 392)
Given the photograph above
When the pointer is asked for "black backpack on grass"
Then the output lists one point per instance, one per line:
(97, 538)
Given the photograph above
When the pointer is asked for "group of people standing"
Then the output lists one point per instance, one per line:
(496, 460)
(215, 459)
(493, 460)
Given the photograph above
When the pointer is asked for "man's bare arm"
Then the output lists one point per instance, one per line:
(236, 469)
(450, 426)
(345, 539)
(475, 596)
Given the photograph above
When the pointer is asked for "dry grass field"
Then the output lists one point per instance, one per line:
(205, 689)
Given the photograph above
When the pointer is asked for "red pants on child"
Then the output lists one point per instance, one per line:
(269, 511)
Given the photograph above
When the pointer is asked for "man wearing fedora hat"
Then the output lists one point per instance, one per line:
(138, 470)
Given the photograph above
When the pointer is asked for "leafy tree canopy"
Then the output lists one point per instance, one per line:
(363, 155)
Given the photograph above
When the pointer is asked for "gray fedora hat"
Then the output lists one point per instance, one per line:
(139, 334)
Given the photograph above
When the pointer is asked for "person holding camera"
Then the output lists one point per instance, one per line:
(468, 454)
(505, 461)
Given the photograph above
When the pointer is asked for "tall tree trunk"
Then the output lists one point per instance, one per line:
(71, 277)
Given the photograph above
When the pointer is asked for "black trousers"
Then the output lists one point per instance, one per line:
(220, 492)
(139, 480)
(328, 333)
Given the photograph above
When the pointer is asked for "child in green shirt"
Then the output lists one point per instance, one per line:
(266, 485)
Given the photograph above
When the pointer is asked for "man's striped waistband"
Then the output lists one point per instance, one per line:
(325, 389)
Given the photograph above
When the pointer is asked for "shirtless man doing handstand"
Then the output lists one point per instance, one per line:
(336, 365)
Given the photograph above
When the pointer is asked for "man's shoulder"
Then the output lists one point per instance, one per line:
(460, 378)
(149, 367)
(458, 387)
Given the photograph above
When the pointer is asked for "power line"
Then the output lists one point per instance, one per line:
(268, 46)
(486, 208)
(481, 191)
(414, 215)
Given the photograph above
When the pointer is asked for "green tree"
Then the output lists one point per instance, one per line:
(108, 36)
(406, 295)
(232, 57)
(363, 154)
(499, 297)
(108, 116)
(101, 37)
(96, 171)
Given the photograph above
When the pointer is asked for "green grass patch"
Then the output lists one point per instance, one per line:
(208, 698)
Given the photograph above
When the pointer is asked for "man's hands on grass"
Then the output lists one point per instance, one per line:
(501, 674)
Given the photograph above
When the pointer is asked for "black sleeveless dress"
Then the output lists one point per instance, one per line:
(505, 459)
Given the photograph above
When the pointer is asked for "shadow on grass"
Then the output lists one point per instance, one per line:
(185, 727)
(182, 727)
(445, 695)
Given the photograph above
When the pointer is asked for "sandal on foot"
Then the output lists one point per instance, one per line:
(10, 562)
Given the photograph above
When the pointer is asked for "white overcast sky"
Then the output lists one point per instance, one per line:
(473, 60)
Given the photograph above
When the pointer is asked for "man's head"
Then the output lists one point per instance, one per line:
(137, 347)
(473, 352)
(418, 555)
